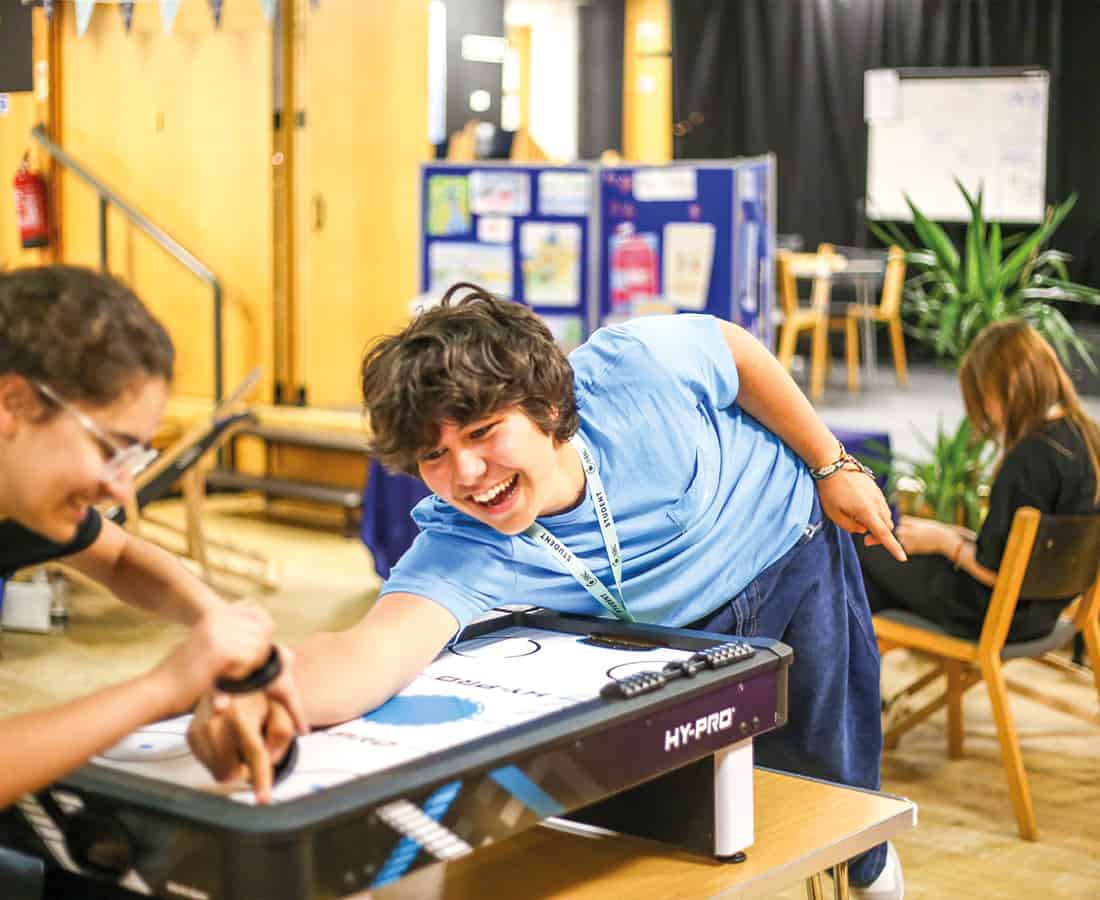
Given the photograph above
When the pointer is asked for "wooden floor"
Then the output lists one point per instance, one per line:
(964, 847)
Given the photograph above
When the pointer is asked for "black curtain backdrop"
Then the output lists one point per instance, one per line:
(787, 76)
(600, 101)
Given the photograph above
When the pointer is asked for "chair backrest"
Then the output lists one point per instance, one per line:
(893, 282)
(822, 288)
(1065, 557)
(785, 284)
(1047, 557)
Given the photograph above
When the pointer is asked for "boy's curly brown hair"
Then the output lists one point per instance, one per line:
(460, 362)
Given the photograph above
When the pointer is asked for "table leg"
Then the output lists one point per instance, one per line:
(840, 881)
(733, 804)
(815, 888)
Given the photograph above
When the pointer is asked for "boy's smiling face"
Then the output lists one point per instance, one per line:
(502, 470)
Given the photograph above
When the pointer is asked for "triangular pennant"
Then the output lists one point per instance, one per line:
(216, 12)
(268, 7)
(126, 9)
(168, 10)
(83, 15)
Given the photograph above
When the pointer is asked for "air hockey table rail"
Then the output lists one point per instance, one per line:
(592, 719)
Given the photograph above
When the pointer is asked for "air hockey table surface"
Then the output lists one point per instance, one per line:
(532, 714)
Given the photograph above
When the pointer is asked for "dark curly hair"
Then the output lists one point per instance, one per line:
(84, 334)
(460, 362)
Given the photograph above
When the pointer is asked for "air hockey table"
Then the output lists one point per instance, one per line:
(532, 714)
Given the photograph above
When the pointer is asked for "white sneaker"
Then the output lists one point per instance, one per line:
(890, 884)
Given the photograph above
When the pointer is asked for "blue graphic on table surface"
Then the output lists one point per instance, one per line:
(423, 709)
(542, 259)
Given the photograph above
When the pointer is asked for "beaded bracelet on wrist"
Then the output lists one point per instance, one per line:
(845, 461)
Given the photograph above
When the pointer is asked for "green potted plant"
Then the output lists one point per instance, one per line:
(949, 483)
(951, 296)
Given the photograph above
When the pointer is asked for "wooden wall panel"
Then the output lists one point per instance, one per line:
(365, 100)
(647, 82)
(180, 126)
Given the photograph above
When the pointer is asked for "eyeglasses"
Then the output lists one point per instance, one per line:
(129, 460)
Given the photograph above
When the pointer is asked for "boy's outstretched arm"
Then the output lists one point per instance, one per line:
(770, 396)
(339, 674)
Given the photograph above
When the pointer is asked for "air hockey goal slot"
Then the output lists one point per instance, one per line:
(622, 642)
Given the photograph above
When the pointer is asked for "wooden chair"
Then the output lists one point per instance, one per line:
(462, 145)
(887, 312)
(813, 318)
(1046, 557)
(525, 149)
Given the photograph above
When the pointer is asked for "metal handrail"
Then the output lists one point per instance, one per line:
(158, 234)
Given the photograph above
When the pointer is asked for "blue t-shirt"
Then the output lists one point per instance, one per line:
(704, 497)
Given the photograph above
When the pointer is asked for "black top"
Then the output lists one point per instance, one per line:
(1051, 471)
(20, 547)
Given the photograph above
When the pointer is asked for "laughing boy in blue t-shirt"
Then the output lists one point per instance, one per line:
(668, 472)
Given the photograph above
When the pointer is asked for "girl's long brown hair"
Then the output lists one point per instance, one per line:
(1010, 362)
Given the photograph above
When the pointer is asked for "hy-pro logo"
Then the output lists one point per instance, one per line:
(681, 735)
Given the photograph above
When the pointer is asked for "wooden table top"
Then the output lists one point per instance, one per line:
(803, 826)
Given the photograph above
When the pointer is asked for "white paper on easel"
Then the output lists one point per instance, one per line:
(881, 95)
(688, 260)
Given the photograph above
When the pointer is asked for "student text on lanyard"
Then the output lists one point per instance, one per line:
(565, 556)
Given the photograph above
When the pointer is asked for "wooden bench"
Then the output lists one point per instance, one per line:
(349, 500)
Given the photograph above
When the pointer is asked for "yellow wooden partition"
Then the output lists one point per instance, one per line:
(647, 82)
(364, 89)
(179, 124)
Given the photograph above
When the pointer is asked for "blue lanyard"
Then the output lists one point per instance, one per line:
(584, 575)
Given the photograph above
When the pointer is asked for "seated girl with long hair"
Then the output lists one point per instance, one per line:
(1017, 392)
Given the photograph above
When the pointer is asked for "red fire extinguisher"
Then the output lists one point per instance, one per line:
(30, 206)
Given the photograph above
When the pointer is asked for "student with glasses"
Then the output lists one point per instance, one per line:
(85, 372)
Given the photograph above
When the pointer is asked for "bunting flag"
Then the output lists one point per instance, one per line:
(168, 10)
(84, 10)
(216, 12)
(126, 9)
(268, 7)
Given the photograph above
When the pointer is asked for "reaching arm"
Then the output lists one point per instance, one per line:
(770, 396)
(145, 576)
(927, 536)
(39, 747)
(344, 674)
(340, 674)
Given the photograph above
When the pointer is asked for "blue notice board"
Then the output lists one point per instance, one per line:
(688, 237)
(523, 232)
